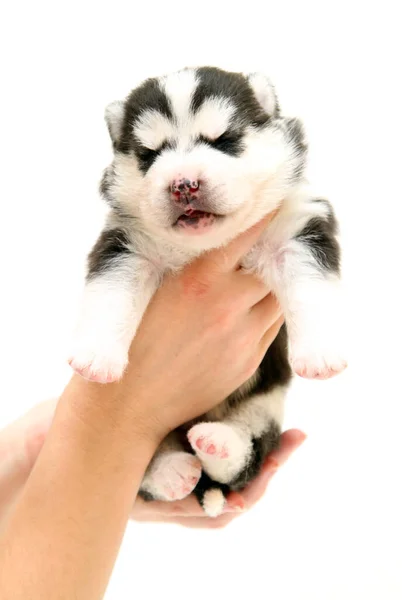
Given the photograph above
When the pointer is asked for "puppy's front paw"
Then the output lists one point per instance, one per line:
(102, 367)
(317, 361)
(323, 369)
(172, 476)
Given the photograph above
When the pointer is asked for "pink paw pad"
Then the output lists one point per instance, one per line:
(208, 443)
(324, 371)
(175, 476)
(203, 445)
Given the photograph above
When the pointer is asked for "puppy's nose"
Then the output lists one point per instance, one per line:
(185, 190)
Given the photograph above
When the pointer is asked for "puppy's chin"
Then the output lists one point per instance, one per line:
(205, 233)
(196, 235)
(197, 223)
(218, 231)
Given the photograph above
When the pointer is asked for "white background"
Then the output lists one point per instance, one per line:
(330, 525)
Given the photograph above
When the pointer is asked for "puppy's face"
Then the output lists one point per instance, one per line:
(201, 155)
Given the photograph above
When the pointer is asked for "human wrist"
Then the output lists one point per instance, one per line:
(121, 409)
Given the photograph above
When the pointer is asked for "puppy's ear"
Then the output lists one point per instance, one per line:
(265, 93)
(114, 115)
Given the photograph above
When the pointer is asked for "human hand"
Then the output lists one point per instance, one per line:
(205, 332)
(21, 442)
(189, 513)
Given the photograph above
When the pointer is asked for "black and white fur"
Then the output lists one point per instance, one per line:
(226, 131)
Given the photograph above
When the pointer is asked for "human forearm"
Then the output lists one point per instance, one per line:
(75, 506)
(20, 444)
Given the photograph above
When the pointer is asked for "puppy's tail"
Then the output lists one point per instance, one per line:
(211, 495)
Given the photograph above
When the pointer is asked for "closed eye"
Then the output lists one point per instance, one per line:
(147, 156)
(229, 143)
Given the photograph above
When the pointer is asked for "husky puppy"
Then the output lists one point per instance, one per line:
(200, 156)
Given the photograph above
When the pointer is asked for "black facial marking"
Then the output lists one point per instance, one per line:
(216, 83)
(229, 143)
(148, 96)
(319, 235)
(111, 245)
(295, 132)
(106, 190)
(295, 135)
(104, 185)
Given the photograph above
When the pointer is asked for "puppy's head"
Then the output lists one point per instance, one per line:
(201, 155)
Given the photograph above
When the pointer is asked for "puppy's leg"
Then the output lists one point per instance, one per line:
(306, 280)
(172, 474)
(118, 289)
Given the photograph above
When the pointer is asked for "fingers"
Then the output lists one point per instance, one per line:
(164, 511)
(290, 441)
(266, 312)
(227, 258)
(187, 508)
(247, 290)
(269, 336)
(206, 523)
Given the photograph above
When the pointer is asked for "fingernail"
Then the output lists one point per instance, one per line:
(234, 504)
(233, 509)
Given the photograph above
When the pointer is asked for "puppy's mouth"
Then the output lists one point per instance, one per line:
(196, 221)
